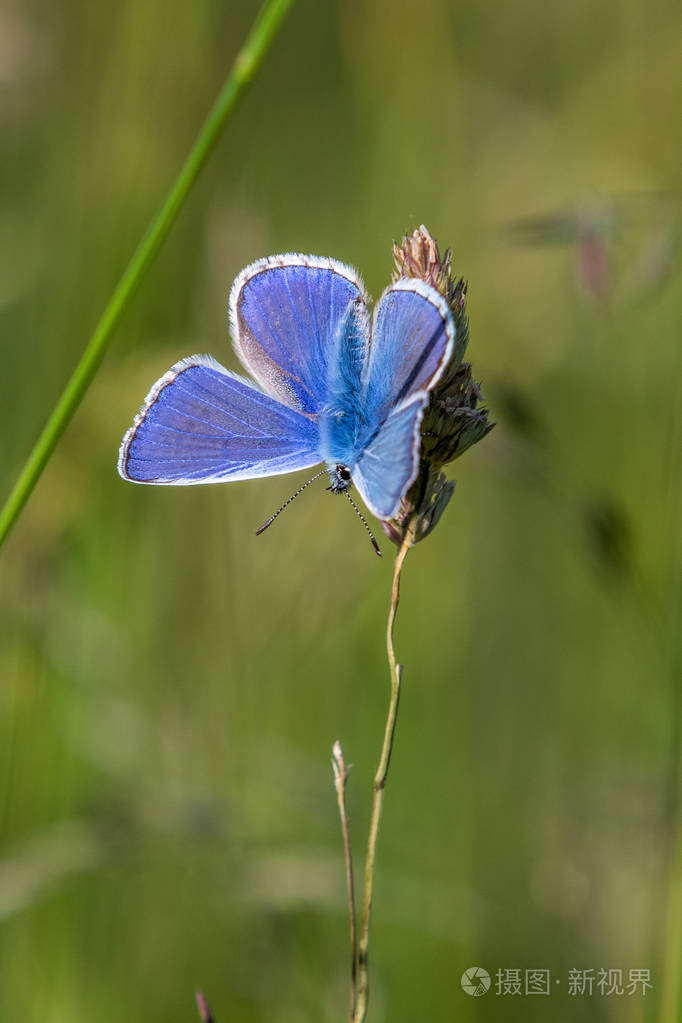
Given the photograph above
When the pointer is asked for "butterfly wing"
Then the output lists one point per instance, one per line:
(202, 424)
(284, 315)
(413, 339)
(388, 465)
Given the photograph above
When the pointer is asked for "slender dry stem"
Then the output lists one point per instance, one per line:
(341, 772)
(362, 997)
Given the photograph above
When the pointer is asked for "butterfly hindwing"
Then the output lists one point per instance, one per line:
(284, 315)
(202, 424)
(388, 465)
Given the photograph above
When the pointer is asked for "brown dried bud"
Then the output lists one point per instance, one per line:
(434, 498)
(452, 420)
(417, 256)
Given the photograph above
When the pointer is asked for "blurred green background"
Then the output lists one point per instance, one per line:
(171, 686)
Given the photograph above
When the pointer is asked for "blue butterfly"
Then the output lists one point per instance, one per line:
(331, 385)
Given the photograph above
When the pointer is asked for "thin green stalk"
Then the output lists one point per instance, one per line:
(245, 66)
(362, 996)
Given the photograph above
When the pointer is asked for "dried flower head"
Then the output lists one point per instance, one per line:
(453, 420)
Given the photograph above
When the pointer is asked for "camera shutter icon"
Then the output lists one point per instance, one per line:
(475, 981)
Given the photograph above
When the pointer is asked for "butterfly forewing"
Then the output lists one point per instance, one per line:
(285, 312)
(202, 424)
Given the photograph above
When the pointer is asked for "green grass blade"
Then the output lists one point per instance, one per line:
(245, 66)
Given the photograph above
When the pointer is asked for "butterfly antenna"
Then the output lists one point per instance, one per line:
(280, 510)
(375, 545)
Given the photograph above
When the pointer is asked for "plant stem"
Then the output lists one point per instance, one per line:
(340, 779)
(245, 66)
(360, 1008)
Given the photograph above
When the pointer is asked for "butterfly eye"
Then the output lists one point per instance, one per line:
(343, 472)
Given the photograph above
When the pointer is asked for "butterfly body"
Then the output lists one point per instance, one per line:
(331, 386)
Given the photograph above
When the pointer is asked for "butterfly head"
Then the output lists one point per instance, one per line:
(339, 477)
